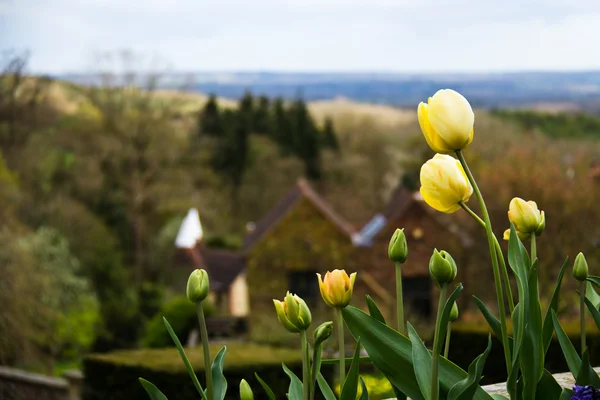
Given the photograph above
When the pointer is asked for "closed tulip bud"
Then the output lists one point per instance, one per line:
(453, 313)
(245, 391)
(336, 288)
(446, 121)
(526, 216)
(444, 184)
(442, 267)
(293, 313)
(323, 332)
(398, 250)
(197, 286)
(580, 268)
(520, 234)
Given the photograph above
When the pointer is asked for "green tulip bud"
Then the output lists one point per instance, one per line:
(398, 250)
(442, 267)
(293, 313)
(197, 286)
(323, 332)
(453, 313)
(580, 268)
(245, 391)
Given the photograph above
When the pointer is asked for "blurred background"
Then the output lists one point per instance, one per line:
(266, 141)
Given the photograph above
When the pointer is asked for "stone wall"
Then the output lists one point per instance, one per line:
(20, 385)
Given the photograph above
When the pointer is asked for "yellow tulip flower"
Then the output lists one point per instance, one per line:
(444, 183)
(336, 288)
(446, 121)
(526, 216)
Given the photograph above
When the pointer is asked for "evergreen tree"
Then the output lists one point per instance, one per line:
(210, 118)
(246, 111)
(328, 135)
(282, 127)
(305, 139)
(262, 117)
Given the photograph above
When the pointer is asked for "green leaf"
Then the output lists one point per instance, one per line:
(592, 295)
(152, 390)
(268, 391)
(573, 360)
(365, 393)
(587, 375)
(492, 321)
(350, 387)
(441, 329)
(548, 328)
(374, 310)
(565, 394)
(517, 255)
(422, 362)
(499, 397)
(594, 312)
(533, 345)
(336, 361)
(325, 389)
(186, 361)
(399, 395)
(219, 381)
(391, 353)
(465, 389)
(547, 387)
(295, 390)
(594, 279)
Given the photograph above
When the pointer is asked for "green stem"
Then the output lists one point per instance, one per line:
(400, 300)
(316, 367)
(436, 343)
(342, 355)
(447, 345)
(205, 350)
(305, 366)
(504, 270)
(582, 286)
(494, 257)
(533, 248)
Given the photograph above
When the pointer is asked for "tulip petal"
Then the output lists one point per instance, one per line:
(435, 141)
(452, 117)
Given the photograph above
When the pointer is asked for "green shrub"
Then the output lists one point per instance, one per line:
(115, 375)
(181, 314)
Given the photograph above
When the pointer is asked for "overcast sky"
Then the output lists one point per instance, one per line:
(310, 35)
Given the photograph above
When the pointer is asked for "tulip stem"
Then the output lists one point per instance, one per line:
(582, 286)
(399, 299)
(305, 366)
(316, 367)
(504, 270)
(205, 350)
(533, 248)
(340, 329)
(447, 345)
(494, 257)
(436, 343)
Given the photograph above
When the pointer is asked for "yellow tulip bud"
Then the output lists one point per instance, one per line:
(453, 313)
(520, 234)
(398, 250)
(442, 267)
(197, 286)
(245, 391)
(444, 183)
(323, 332)
(336, 288)
(446, 121)
(293, 313)
(526, 216)
(580, 268)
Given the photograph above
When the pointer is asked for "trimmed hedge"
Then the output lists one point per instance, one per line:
(115, 375)
(470, 340)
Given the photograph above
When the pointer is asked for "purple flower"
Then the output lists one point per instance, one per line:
(585, 393)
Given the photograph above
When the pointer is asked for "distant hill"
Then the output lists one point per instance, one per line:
(565, 90)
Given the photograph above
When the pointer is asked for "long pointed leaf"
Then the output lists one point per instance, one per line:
(553, 306)
(594, 279)
(547, 387)
(573, 360)
(374, 310)
(391, 353)
(336, 361)
(593, 311)
(152, 390)
(533, 346)
(492, 321)
(565, 394)
(295, 390)
(186, 361)
(268, 391)
(365, 393)
(587, 375)
(592, 295)
(445, 317)
(465, 389)
(422, 362)
(325, 389)
(219, 381)
(350, 386)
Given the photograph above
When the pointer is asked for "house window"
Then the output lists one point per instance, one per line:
(305, 285)
(417, 295)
